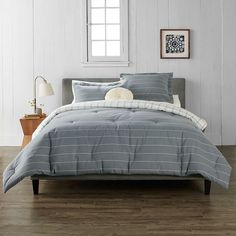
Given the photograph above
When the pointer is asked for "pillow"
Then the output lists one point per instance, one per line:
(119, 93)
(91, 91)
(176, 100)
(149, 86)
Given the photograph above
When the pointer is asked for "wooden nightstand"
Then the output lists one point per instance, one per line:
(28, 127)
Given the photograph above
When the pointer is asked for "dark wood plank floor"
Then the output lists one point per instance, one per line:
(117, 208)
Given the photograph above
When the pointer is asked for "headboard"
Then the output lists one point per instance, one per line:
(178, 87)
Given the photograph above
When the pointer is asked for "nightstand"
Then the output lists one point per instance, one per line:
(28, 127)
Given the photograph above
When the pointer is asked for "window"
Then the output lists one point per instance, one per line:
(106, 32)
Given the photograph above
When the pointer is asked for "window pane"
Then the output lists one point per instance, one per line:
(113, 15)
(98, 3)
(113, 32)
(98, 32)
(113, 48)
(113, 3)
(98, 16)
(98, 48)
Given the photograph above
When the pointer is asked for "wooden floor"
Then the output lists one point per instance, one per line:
(117, 208)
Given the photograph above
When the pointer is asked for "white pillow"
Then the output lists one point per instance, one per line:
(119, 94)
(176, 100)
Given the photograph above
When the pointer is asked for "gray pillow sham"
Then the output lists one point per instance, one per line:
(149, 86)
(84, 91)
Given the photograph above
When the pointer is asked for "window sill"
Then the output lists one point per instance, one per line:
(106, 64)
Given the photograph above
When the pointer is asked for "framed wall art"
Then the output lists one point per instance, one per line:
(175, 43)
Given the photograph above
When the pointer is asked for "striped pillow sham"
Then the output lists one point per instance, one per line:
(149, 86)
(84, 91)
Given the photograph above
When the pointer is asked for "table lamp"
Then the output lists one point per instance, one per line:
(45, 89)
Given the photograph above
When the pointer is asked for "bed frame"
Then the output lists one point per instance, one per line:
(178, 87)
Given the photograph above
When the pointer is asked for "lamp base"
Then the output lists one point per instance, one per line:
(35, 116)
(38, 111)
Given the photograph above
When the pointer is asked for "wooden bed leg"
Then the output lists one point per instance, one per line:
(35, 184)
(207, 186)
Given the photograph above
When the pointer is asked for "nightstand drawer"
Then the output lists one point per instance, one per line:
(28, 127)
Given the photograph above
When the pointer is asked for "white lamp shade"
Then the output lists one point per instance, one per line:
(45, 89)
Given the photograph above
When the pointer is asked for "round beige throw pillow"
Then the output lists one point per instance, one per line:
(119, 94)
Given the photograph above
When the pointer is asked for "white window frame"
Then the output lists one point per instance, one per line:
(89, 60)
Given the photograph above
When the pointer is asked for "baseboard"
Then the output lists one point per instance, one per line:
(11, 140)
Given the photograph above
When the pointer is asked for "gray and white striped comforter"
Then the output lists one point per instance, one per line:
(119, 137)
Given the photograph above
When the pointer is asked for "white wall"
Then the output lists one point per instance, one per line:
(16, 67)
(44, 37)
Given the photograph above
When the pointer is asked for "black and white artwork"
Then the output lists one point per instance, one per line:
(175, 43)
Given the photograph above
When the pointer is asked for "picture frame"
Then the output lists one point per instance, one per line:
(175, 43)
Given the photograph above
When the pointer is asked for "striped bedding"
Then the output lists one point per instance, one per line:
(119, 137)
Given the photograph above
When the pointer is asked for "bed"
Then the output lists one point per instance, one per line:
(194, 158)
